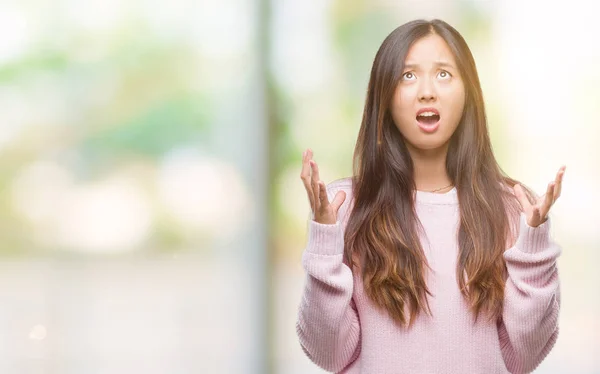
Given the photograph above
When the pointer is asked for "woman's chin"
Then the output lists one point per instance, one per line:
(429, 144)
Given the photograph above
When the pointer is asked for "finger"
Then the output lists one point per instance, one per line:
(315, 171)
(314, 182)
(558, 181)
(338, 200)
(305, 176)
(323, 200)
(548, 200)
(305, 172)
(536, 216)
(523, 200)
(315, 178)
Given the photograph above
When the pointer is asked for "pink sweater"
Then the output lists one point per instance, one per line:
(341, 331)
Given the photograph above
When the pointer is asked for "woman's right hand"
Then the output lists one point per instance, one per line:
(323, 211)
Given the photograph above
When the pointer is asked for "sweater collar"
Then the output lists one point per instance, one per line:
(446, 198)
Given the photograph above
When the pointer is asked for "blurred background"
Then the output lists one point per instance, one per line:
(152, 218)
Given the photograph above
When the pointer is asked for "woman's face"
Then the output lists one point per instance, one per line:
(430, 80)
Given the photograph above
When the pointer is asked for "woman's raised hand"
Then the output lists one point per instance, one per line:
(324, 212)
(536, 213)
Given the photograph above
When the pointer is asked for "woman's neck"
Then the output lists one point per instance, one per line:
(430, 170)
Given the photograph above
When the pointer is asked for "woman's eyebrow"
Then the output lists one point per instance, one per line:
(437, 63)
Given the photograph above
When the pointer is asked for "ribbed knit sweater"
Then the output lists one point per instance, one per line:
(342, 331)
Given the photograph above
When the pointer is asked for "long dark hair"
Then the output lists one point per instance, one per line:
(382, 233)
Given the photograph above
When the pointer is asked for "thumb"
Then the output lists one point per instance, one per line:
(338, 200)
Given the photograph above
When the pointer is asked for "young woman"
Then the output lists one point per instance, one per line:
(429, 259)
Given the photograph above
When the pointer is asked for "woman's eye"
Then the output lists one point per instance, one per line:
(444, 74)
(408, 76)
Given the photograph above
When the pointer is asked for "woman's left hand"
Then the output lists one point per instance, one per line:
(537, 214)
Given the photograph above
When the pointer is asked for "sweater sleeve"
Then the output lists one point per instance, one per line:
(528, 328)
(327, 326)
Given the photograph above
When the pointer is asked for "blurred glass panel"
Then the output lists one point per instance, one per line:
(133, 186)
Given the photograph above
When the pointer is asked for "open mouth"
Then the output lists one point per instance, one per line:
(428, 118)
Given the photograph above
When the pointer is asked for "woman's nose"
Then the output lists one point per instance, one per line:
(427, 91)
(427, 96)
